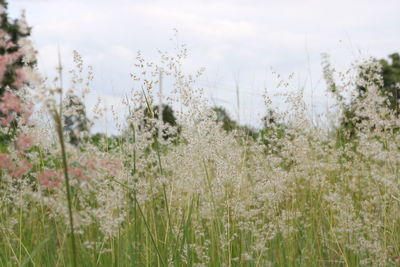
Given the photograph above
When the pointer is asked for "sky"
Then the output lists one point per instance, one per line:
(239, 43)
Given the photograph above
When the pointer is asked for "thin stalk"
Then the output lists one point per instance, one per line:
(169, 225)
(144, 220)
(57, 119)
(20, 226)
(164, 190)
(134, 172)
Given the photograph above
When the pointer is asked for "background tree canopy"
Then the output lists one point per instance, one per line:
(391, 79)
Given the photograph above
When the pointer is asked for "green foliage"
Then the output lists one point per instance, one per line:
(391, 80)
(168, 119)
(229, 124)
(387, 80)
(271, 132)
(222, 116)
(104, 142)
(76, 121)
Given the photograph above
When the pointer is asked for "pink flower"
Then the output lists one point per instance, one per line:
(20, 78)
(10, 102)
(3, 66)
(50, 178)
(78, 173)
(91, 163)
(24, 142)
(19, 171)
(107, 165)
(15, 56)
(111, 166)
(5, 161)
(6, 120)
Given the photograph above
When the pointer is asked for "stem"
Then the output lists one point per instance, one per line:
(57, 119)
(163, 184)
(144, 220)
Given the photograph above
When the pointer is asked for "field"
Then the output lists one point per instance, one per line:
(194, 194)
(181, 184)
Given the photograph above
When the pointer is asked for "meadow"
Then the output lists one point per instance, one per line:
(194, 194)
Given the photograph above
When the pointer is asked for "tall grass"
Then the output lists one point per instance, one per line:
(203, 196)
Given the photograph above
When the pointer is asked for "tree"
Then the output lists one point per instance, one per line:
(75, 120)
(269, 120)
(391, 80)
(385, 76)
(228, 124)
(382, 74)
(168, 119)
(272, 130)
(222, 116)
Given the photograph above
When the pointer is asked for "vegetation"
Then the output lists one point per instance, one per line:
(201, 193)
(75, 121)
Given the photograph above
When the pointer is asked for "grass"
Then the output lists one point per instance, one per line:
(295, 196)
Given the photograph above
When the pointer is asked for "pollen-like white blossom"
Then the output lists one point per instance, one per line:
(193, 193)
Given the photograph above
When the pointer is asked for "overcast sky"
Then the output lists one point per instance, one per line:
(229, 38)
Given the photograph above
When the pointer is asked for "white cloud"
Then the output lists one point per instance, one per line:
(122, 53)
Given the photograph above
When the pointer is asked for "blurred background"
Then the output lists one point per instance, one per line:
(240, 44)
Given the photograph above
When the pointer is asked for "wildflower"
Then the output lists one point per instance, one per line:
(21, 170)
(3, 66)
(5, 161)
(91, 163)
(78, 173)
(11, 106)
(24, 142)
(6, 120)
(50, 178)
(20, 78)
(10, 102)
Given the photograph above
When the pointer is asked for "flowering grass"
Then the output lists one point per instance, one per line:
(194, 194)
(204, 197)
